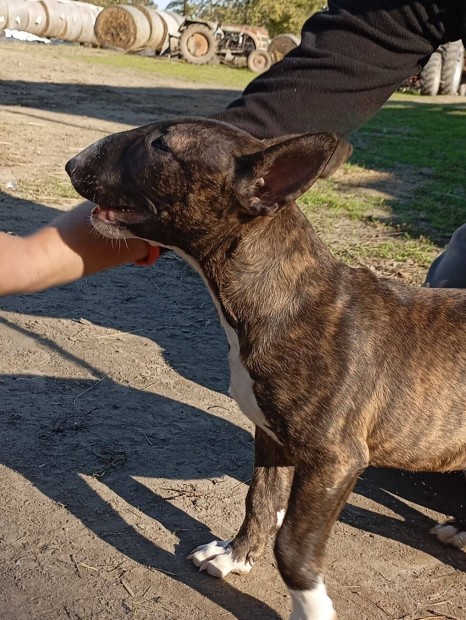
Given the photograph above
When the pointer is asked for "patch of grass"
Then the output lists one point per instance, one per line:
(218, 75)
(427, 140)
(404, 192)
(47, 189)
(327, 194)
(401, 250)
(369, 236)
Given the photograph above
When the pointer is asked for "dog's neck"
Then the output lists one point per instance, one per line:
(265, 270)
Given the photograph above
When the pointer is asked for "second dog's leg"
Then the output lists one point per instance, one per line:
(451, 533)
(266, 503)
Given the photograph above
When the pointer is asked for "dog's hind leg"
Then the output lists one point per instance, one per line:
(319, 491)
(266, 504)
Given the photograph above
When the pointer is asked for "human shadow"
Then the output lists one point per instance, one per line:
(158, 437)
(120, 104)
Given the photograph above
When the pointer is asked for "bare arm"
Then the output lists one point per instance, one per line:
(61, 252)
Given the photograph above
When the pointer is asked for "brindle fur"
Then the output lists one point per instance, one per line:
(350, 370)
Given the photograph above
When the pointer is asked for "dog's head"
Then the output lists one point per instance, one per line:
(184, 183)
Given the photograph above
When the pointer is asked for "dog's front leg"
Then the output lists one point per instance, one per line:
(266, 504)
(320, 489)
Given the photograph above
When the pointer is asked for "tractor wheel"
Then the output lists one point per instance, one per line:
(452, 68)
(259, 61)
(198, 44)
(431, 75)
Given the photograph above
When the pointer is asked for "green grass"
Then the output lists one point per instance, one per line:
(426, 142)
(218, 75)
(328, 195)
(47, 189)
(403, 250)
(419, 146)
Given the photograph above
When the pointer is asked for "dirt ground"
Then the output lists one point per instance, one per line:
(120, 449)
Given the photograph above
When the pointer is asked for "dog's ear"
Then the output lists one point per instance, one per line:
(285, 169)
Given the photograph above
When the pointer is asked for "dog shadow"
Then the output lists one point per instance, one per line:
(66, 445)
(409, 496)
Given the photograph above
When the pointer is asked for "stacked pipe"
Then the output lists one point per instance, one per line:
(132, 28)
(69, 20)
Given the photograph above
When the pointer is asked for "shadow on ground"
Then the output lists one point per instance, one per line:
(168, 304)
(120, 104)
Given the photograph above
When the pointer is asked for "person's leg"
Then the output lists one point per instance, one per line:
(449, 269)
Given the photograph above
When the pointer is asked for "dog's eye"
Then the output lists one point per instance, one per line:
(160, 145)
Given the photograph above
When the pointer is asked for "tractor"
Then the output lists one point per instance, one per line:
(201, 42)
(443, 73)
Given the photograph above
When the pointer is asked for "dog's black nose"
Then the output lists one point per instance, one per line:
(72, 165)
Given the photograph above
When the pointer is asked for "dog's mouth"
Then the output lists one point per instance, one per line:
(118, 215)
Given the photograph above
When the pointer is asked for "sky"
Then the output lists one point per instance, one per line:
(162, 4)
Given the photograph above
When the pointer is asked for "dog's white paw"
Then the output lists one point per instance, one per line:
(217, 559)
(449, 534)
(312, 604)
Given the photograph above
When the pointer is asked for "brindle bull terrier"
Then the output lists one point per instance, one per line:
(337, 368)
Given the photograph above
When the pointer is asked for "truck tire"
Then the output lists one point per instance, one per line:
(198, 44)
(431, 75)
(452, 68)
(259, 61)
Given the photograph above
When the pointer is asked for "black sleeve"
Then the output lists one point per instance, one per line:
(350, 60)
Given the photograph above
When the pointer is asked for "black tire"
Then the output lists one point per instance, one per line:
(452, 68)
(259, 61)
(431, 75)
(198, 44)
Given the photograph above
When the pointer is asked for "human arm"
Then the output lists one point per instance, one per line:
(63, 251)
(350, 61)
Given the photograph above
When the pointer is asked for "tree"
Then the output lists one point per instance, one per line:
(188, 8)
(275, 15)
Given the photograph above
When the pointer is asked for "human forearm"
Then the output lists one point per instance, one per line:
(65, 250)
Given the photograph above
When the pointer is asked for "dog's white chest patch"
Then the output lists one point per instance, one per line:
(241, 382)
